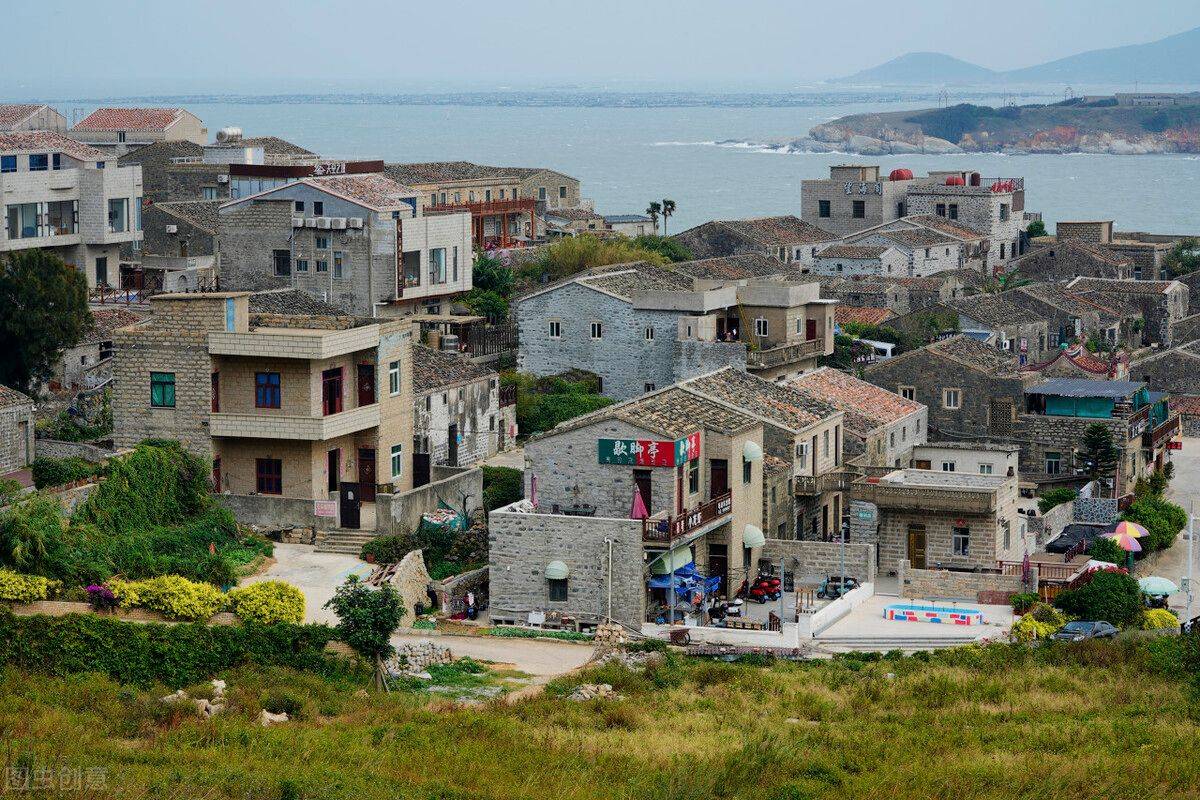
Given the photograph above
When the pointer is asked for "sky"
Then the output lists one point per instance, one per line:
(76, 49)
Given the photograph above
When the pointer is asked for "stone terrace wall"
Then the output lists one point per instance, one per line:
(53, 448)
(979, 587)
(812, 559)
(270, 511)
(1097, 510)
(396, 512)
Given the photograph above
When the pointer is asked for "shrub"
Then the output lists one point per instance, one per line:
(1055, 497)
(536, 633)
(10, 490)
(18, 588)
(1022, 602)
(268, 603)
(158, 484)
(1028, 629)
(1162, 519)
(367, 617)
(1105, 549)
(173, 596)
(48, 472)
(501, 486)
(576, 253)
(1157, 619)
(1110, 596)
(1047, 614)
(101, 598)
(388, 549)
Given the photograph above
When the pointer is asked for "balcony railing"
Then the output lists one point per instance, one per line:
(680, 525)
(1152, 439)
(484, 207)
(829, 482)
(784, 354)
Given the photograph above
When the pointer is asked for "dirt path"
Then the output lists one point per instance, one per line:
(540, 658)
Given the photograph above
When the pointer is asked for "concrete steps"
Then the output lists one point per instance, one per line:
(846, 644)
(343, 540)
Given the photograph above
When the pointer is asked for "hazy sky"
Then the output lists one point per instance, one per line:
(81, 48)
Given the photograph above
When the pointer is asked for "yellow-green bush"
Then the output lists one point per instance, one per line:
(268, 602)
(172, 596)
(1157, 618)
(1027, 628)
(18, 588)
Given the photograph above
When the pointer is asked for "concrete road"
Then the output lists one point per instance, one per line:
(315, 574)
(1172, 562)
(514, 458)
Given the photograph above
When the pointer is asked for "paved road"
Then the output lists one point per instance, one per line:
(1172, 563)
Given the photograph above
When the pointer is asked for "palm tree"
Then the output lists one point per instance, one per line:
(668, 208)
(653, 210)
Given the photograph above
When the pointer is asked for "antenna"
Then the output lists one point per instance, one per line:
(1068, 93)
(943, 98)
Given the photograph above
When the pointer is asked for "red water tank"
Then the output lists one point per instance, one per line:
(900, 174)
(955, 180)
(1002, 186)
(975, 179)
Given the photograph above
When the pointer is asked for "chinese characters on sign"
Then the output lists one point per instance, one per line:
(863, 188)
(649, 452)
(330, 168)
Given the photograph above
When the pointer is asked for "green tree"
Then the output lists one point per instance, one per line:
(665, 246)
(654, 211)
(1100, 455)
(490, 274)
(1036, 228)
(1105, 549)
(1183, 257)
(486, 303)
(1162, 519)
(1055, 497)
(367, 618)
(1109, 596)
(43, 311)
(668, 209)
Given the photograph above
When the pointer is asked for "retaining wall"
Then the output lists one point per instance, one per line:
(813, 559)
(978, 587)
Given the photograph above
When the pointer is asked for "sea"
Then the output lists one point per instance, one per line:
(704, 156)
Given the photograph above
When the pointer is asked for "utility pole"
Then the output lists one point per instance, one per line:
(1191, 557)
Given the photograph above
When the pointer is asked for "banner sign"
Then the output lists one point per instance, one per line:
(649, 452)
(324, 508)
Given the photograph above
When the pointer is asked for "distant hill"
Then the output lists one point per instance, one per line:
(1172, 60)
(923, 68)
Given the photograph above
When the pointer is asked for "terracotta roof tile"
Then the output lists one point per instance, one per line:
(863, 315)
(866, 400)
(12, 113)
(371, 190)
(129, 119)
(780, 404)
(11, 397)
(434, 370)
(49, 141)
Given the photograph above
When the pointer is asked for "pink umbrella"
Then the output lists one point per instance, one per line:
(1126, 542)
(638, 511)
(1128, 528)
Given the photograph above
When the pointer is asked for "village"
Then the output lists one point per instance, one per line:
(899, 417)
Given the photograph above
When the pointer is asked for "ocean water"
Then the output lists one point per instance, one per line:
(626, 157)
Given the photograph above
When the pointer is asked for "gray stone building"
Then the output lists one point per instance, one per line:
(1071, 317)
(1003, 324)
(992, 207)
(457, 417)
(860, 261)
(926, 251)
(854, 197)
(16, 431)
(1160, 304)
(786, 238)
(119, 130)
(1068, 259)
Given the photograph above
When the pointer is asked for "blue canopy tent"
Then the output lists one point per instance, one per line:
(686, 580)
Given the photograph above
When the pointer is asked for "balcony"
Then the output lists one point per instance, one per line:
(293, 342)
(784, 354)
(1156, 438)
(294, 428)
(829, 482)
(484, 208)
(701, 519)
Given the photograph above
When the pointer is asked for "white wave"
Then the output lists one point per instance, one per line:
(682, 144)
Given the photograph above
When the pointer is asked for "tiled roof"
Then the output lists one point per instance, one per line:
(863, 315)
(779, 231)
(371, 190)
(1184, 404)
(162, 152)
(992, 309)
(973, 354)
(107, 320)
(867, 401)
(573, 213)
(627, 283)
(11, 397)
(747, 265)
(434, 370)
(616, 219)
(1086, 387)
(49, 141)
(853, 251)
(916, 237)
(1121, 286)
(129, 119)
(293, 302)
(677, 413)
(273, 145)
(943, 225)
(780, 404)
(1055, 295)
(12, 113)
(928, 283)
(199, 213)
(445, 172)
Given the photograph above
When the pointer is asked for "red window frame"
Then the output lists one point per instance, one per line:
(216, 392)
(268, 475)
(332, 387)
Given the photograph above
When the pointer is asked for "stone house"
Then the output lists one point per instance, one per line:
(575, 553)
(861, 315)
(357, 241)
(30, 117)
(573, 221)
(974, 246)
(288, 408)
(927, 251)
(1005, 325)
(184, 229)
(1068, 259)
(1161, 303)
(89, 363)
(968, 387)
(993, 208)
(958, 521)
(854, 197)
(883, 293)
(978, 458)
(118, 130)
(1177, 372)
(16, 431)
(457, 417)
(68, 199)
(860, 261)
(631, 225)
(880, 427)
(787, 238)
(1145, 252)
(1071, 317)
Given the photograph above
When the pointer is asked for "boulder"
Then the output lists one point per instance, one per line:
(267, 719)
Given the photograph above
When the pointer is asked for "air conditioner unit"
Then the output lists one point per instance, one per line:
(355, 222)
(323, 223)
(338, 223)
(172, 229)
(222, 179)
(297, 222)
(310, 222)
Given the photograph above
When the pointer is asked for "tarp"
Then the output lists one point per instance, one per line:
(686, 580)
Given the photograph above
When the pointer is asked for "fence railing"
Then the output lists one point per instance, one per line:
(784, 354)
(490, 340)
(681, 525)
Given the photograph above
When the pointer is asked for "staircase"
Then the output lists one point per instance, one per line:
(882, 644)
(343, 540)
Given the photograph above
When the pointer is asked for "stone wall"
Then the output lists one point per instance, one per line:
(934, 584)
(818, 560)
(1094, 510)
(402, 512)
(522, 544)
(273, 512)
(1051, 524)
(53, 448)
(411, 581)
(452, 592)
(16, 437)
(473, 407)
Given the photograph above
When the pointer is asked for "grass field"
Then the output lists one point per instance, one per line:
(1105, 721)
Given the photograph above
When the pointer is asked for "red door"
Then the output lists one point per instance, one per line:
(366, 384)
(366, 474)
(810, 329)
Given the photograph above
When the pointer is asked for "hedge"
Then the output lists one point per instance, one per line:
(18, 588)
(268, 603)
(173, 596)
(57, 471)
(145, 653)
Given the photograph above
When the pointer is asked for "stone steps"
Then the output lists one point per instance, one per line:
(846, 644)
(341, 540)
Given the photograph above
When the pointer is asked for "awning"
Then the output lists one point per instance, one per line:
(753, 536)
(751, 451)
(557, 571)
(669, 562)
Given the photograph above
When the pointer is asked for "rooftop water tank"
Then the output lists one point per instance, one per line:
(955, 180)
(449, 342)
(900, 174)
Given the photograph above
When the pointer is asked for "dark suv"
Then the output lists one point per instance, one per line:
(1079, 630)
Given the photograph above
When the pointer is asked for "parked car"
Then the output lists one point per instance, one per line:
(1079, 630)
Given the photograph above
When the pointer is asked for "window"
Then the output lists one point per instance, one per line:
(318, 210)
(22, 221)
(940, 209)
(1004, 212)
(649, 333)
(62, 216)
(799, 325)
(454, 266)
(823, 208)
(331, 391)
(437, 265)
(555, 329)
(760, 326)
(299, 206)
(162, 389)
(892, 439)
(301, 265)
(121, 136)
(1053, 463)
(541, 193)
(953, 210)
(951, 399)
(339, 264)
(961, 541)
(397, 461)
(904, 433)
(215, 399)
(747, 471)
(57, 161)
(948, 466)
(266, 390)
(1002, 246)
(394, 378)
(283, 262)
(118, 215)
(649, 387)
(322, 242)
(268, 475)
(8, 163)
(39, 162)
(597, 330)
(860, 209)
(502, 194)
(825, 445)
(985, 469)
(557, 588)
(694, 476)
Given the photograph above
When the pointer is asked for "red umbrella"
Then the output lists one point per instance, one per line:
(638, 511)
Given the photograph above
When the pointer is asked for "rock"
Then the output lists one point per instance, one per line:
(179, 696)
(267, 719)
(932, 144)
(218, 688)
(361, 694)
(593, 691)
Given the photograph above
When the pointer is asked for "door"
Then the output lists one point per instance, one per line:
(916, 546)
(810, 329)
(333, 469)
(679, 488)
(102, 271)
(420, 469)
(366, 384)
(366, 473)
(720, 329)
(922, 463)
(718, 565)
(452, 445)
(641, 480)
(718, 469)
(349, 503)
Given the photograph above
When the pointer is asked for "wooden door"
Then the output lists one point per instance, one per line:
(718, 469)
(349, 502)
(366, 473)
(916, 546)
(366, 384)
(810, 329)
